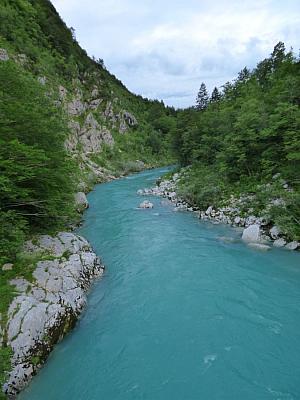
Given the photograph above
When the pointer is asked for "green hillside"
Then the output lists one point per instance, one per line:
(245, 139)
(53, 93)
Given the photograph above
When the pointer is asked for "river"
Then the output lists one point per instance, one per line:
(180, 314)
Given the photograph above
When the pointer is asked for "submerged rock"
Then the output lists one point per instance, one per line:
(259, 246)
(146, 204)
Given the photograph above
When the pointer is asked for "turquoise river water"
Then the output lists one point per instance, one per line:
(180, 314)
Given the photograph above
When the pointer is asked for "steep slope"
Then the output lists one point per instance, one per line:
(53, 96)
(65, 124)
(243, 146)
(101, 112)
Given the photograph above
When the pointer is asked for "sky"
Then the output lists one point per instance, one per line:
(164, 49)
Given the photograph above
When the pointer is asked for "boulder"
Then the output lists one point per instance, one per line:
(279, 243)
(146, 204)
(274, 232)
(292, 245)
(7, 267)
(252, 234)
(237, 220)
(209, 210)
(81, 201)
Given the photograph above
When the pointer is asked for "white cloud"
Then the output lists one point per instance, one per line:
(167, 50)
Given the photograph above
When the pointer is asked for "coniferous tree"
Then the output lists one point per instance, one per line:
(243, 75)
(202, 98)
(215, 96)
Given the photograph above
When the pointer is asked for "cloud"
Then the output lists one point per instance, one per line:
(158, 48)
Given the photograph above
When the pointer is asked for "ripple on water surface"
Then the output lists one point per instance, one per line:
(185, 311)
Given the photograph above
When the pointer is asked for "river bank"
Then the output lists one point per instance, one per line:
(47, 307)
(258, 232)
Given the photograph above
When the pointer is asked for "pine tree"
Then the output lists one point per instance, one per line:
(215, 96)
(202, 98)
(243, 75)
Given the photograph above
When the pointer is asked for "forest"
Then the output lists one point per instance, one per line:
(243, 135)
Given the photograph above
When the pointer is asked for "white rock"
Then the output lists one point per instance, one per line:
(274, 232)
(3, 55)
(209, 210)
(81, 201)
(279, 243)
(39, 315)
(237, 220)
(252, 234)
(42, 80)
(292, 245)
(146, 204)
(278, 202)
(7, 267)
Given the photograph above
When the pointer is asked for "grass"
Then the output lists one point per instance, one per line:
(5, 365)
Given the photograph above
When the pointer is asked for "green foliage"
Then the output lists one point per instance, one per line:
(5, 366)
(202, 187)
(246, 134)
(34, 166)
(13, 229)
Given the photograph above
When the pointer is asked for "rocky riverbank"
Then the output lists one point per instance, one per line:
(257, 232)
(48, 306)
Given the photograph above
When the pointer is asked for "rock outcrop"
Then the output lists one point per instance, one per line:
(47, 307)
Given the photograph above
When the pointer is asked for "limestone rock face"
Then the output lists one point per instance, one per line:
(92, 135)
(126, 120)
(252, 234)
(45, 309)
(76, 107)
